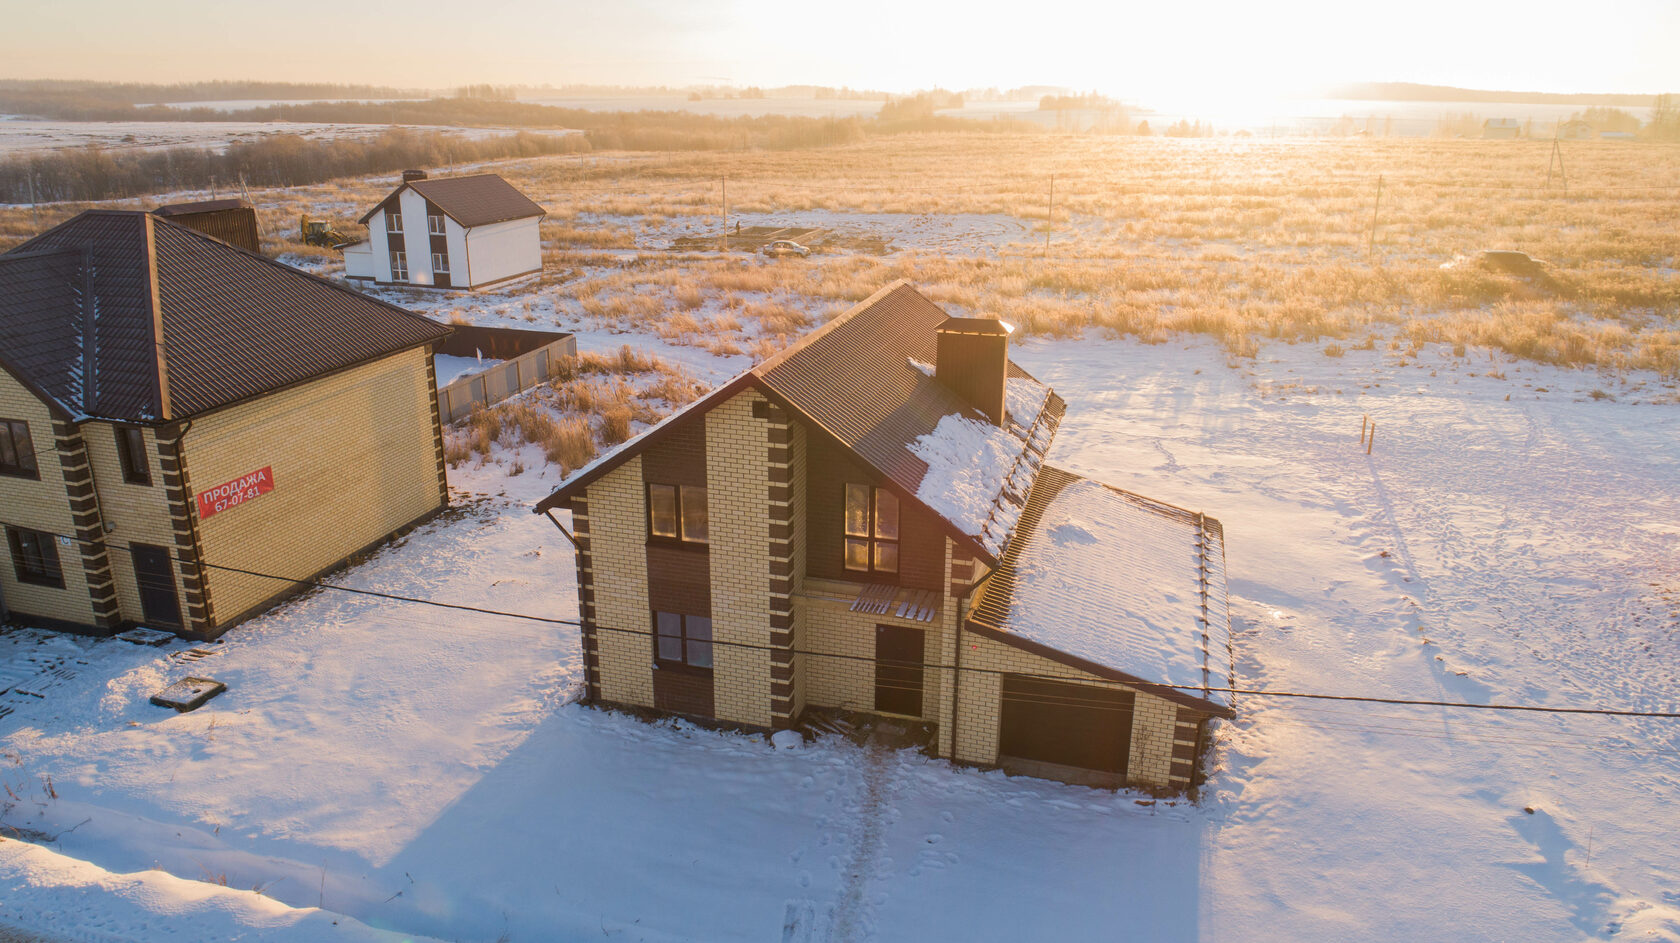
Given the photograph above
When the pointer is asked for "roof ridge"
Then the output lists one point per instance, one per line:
(788, 352)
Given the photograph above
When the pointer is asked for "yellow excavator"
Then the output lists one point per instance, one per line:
(319, 232)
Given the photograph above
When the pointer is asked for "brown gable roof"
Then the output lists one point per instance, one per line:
(181, 323)
(202, 206)
(853, 381)
(474, 200)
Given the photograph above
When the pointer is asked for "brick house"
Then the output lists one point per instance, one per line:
(865, 522)
(178, 415)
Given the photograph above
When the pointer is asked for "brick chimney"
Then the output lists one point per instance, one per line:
(973, 362)
(410, 176)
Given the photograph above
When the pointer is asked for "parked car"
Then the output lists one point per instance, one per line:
(785, 247)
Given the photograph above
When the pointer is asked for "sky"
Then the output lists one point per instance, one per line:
(1176, 48)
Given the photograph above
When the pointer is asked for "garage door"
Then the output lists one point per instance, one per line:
(1066, 724)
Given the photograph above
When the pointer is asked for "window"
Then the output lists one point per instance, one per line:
(399, 266)
(440, 263)
(393, 221)
(678, 512)
(871, 529)
(17, 450)
(434, 224)
(682, 640)
(131, 454)
(35, 557)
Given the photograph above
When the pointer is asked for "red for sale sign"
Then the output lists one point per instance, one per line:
(235, 492)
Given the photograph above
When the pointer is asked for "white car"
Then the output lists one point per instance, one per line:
(785, 247)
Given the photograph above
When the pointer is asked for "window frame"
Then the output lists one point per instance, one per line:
(440, 263)
(136, 469)
(399, 265)
(30, 561)
(434, 225)
(393, 222)
(685, 639)
(873, 540)
(25, 463)
(682, 497)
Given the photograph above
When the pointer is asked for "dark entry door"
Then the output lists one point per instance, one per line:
(156, 576)
(1069, 724)
(898, 670)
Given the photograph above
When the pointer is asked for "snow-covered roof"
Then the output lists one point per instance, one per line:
(1117, 581)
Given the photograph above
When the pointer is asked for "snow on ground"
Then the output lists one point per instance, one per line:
(425, 771)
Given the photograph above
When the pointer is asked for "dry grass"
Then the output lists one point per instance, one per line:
(1245, 241)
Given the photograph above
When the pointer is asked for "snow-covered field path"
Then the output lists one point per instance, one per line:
(422, 771)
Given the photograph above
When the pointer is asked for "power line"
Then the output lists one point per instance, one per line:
(751, 646)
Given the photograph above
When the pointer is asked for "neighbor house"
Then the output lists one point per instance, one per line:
(866, 523)
(189, 431)
(1501, 129)
(448, 232)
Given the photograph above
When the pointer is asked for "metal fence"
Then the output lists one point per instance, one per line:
(516, 373)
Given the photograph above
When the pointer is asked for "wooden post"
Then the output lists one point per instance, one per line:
(1372, 439)
(1371, 247)
(723, 233)
(1362, 421)
(1050, 216)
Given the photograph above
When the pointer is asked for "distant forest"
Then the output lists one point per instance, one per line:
(1409, 91)
(124, 101)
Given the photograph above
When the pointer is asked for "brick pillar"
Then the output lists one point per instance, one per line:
(586, 601)
(89, 524)
(200, 618)
(780, 477)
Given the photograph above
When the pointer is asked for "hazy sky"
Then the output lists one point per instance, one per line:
(1180, 49)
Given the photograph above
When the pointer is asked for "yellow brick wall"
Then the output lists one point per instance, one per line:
(354, 459)
(40, 505)
(847, 682)
(737, 496)
(134, 514)
(618, 573)
(942, 651)
(979, 703)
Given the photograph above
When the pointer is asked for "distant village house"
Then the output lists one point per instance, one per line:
(866, 523)
(183, 421)
(448, 232)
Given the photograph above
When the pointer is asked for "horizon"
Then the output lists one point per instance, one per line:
(1159, 55)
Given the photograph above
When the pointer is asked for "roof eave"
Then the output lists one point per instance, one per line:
(1176, 694)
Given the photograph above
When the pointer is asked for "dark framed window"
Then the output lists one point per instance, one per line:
(17, 450)
(434, 224)
(682, 640)
(678, 513)
(399, 266)
(35, 557)
(440, 263)
(393, 221)
(871, 529)
(131, 454)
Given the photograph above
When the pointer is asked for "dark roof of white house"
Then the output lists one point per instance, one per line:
(473, 200)
(124, 315)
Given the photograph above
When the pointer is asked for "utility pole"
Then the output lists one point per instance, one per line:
(1371, 246)
(1050, 216)
(723, 232)
(1556, 159)
(34, 213)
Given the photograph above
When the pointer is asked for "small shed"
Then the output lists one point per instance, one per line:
(1501, 129)
(232, 221)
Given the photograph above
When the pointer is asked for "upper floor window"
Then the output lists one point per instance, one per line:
(678, 512)
(440, 263)
(871, 529)
(399, 266)
(393, 221)
(434, 224)
(682, 640)
(17, 451)
(131, 454)
(35, 557)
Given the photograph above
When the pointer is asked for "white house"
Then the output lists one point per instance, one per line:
(451, 232)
